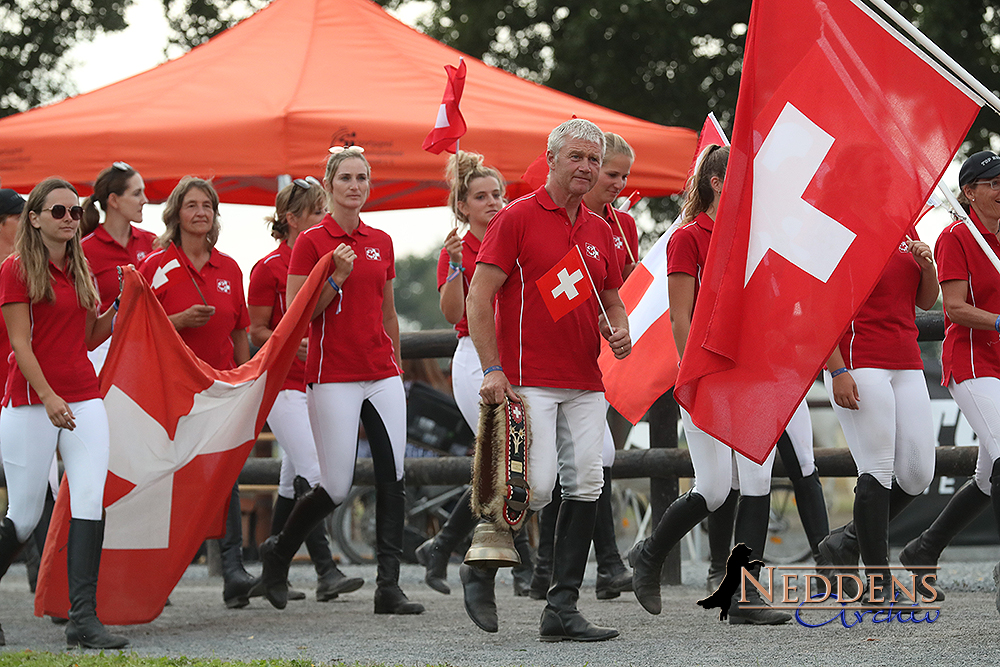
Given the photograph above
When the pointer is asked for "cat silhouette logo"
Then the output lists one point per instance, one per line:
(723, 596)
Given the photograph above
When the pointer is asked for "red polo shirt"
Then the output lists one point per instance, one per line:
(969, 353)
(221, 282)
(352, 345)
(527, 239)
(630, 241)
(884, 333)
(268, 279)
(58, 339)
(687, 249)
(105, 255)
(470, 250)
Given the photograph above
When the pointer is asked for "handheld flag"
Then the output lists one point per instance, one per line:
(449, 126)
(566, 285)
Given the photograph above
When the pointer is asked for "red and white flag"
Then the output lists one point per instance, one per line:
(566, 285)
(842, 131)
(449, 126)
(634, 383)
(180, 434)
(172, 268)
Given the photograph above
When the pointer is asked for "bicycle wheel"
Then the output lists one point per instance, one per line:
(353, 526)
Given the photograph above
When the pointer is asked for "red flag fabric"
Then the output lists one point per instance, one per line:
(632, 384)
(566, 285)
(842, 131)
(173, 268)
(180, 433)
(449, 126)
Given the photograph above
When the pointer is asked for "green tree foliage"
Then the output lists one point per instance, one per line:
(34, 38)
(193, 22)
(415, 290)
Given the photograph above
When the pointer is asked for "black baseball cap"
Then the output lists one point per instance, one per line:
(982, 165)
(11, 203)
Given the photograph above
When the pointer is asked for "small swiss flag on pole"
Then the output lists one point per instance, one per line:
(566, 285)
(449, 126)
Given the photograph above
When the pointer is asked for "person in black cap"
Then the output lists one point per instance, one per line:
(11, 205)
(970, 357)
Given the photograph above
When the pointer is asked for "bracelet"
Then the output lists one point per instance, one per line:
(454, 274)
(491, 369)
(336, 288)
(117, 302)
(838, 372)
(456, 266)
(996, 325)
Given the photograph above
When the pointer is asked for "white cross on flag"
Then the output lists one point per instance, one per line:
(180, 434)
(842, 131)
(566, 285)
(449, 126)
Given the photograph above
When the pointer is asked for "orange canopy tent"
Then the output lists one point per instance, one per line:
(269, 96)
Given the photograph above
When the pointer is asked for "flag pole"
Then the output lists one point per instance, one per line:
(959, 213)
(939, 53)
(594, 288)
(188, 271)
(614, 214)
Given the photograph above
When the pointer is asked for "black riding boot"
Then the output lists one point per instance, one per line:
(840, 548)
(523, 573)
(646, 557)
(279, 515)
(83, 563)
(612, 577)
(435, 552)
(390, 515)
(812, 509)
(871, 521)
(236, 581)
(9, 548)
(479, 593)
(720, 539)
(542, 576)
(561, 620)
(752, 516)
(920, 555)
(277, 551)
(330, 581)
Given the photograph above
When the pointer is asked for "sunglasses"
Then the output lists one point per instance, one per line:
(59, 211)
(994, 184)
(307, 182)
(340, 149)
(122, 166)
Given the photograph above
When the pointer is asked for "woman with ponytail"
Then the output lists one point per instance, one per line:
(52, 399)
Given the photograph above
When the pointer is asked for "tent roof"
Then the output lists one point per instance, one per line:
(270, 95)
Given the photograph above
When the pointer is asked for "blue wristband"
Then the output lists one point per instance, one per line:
(336, 288)
(996, 325)
(838, 372)
(491, 369)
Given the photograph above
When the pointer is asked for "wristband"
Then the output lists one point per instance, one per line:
(456, 266)
(996, 325)
(491, 369)
(118, 301)
(838, 372)
(336, 288)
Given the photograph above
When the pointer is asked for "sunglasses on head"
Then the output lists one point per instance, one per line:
(59, 211)
(122, 166)
(307, 182)
(340, 149)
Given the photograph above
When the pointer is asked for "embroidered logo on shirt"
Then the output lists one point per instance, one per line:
(618, 242)
(592, 251)
(140, 255)
(223, 286)
(373, 254)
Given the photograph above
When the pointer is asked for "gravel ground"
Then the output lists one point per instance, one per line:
(198, 625)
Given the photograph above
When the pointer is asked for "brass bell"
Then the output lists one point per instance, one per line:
(492, 546)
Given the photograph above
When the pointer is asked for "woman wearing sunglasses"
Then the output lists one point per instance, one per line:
(298, 206)
(352, 371)
(121, 194)
(52, 398)
(970, 355)
(203, 296)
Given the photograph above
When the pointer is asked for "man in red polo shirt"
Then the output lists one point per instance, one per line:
(552, 364)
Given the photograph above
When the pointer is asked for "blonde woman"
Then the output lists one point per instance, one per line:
(52, 398)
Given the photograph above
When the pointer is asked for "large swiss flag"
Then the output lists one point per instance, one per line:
(632, 384)
(842, 131)
(180, 433)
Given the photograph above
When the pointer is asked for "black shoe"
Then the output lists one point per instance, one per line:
(922, 562)
(611, 586)
(332, 584)
(480, 596)
(237, 588)
(714, 579)
(557, 626)
(83, 563)
(435, 553)
(764, 615)
(392, 600)
(435, 562)
(839, 555)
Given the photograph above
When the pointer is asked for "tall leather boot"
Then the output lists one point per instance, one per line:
(277, 551)
(331, 582)
(236, 581)
(871, 521)
(920, 555)
(646, 557)
(540, 580)
(83, 563)
(812, 509)
(840, 547)
(9, 548)
(279, 515)
(479, 593)
(524, 573)
(435, 553)
(752, 516)
(390, 515)
(612, 577)
(561, 620)
(995, 496)
(720, 539)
